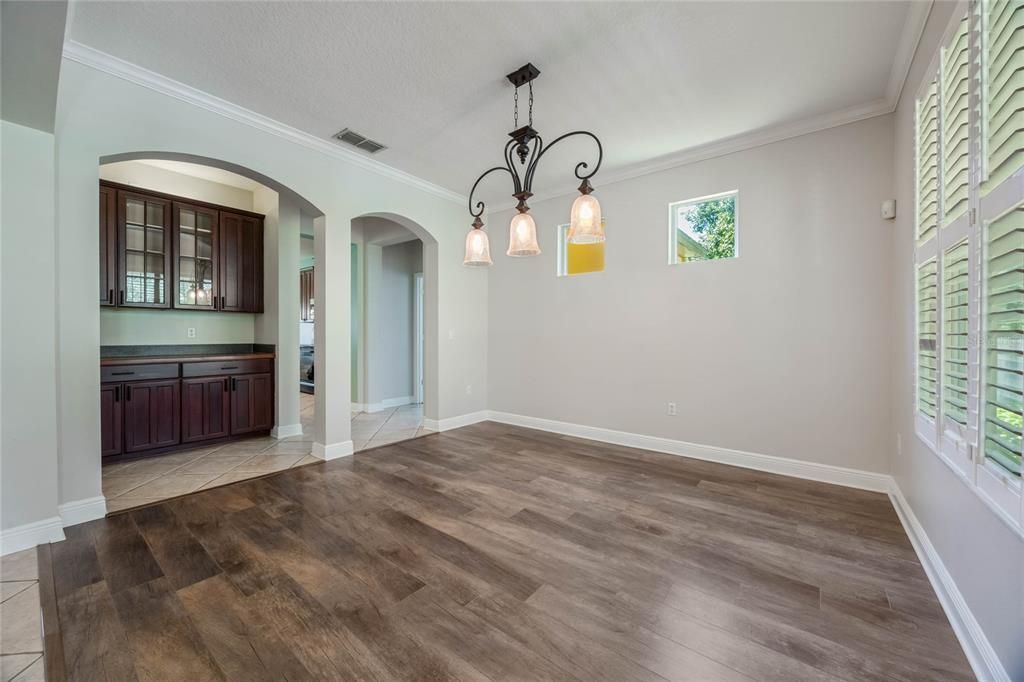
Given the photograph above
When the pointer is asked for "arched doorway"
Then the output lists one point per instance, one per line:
(394, 323)
(272, 326)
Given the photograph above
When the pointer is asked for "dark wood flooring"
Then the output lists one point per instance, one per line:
(499, 553)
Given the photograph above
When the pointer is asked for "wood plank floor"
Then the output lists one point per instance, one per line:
(501, 553)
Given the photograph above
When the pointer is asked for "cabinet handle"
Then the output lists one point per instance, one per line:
(121, 374)
(117, 394)
(122, 297)
(234, 384)
(231, 367)
(225, 383)
(222, 303)
(110, 296)
(127, 393)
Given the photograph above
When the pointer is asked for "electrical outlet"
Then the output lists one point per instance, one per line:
(672, 409)
(191, 332)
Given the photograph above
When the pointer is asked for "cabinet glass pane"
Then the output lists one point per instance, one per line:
(134, 264)
(155, 215)
(205, 222)
(155, 240)
(155, 265)
(135, 238)
(204, 241)
(186, 244)
(135, 211)
(187, 218)
(187, 269)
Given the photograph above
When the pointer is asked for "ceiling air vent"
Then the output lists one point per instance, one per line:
(356, 140)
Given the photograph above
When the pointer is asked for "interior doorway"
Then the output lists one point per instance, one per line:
(389, 321)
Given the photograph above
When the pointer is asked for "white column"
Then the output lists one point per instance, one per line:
(332, 285)
(279, 323)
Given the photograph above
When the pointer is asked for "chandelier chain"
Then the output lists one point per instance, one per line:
(531, 104)
(515, 110)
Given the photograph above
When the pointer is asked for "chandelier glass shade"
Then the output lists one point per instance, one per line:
(478, 248)
(522, 236)
(527, 145)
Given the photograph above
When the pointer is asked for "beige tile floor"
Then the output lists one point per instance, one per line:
(144, 481)
(21, 642)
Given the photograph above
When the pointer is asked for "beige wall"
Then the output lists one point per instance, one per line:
(782, 351)
(28, 405)
(984, 557)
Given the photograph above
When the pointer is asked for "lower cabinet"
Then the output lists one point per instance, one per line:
(146, 413)
(111, 419)
(205, 408)
(252, 403)
(152, 414)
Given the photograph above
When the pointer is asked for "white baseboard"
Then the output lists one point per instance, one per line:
(814, 471)
(334, 450)
(977, 648)
(286, 431)
(80, 511)
(388, 403)
(360, 407)
(31, 534)
(456, 422)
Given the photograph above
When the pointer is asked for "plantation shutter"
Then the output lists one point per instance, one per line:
(956, 330)
(1004, 354)
(955, 124)
(1003, 89)
(928, 164)
(927, 322)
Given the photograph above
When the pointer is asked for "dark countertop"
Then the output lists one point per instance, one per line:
(197, 357)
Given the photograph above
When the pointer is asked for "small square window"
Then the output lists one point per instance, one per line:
(577, 259)
(704, 228)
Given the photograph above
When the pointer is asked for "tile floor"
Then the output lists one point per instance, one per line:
(21, 642)
(144, 481)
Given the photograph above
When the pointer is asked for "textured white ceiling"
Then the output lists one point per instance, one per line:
(427, 79)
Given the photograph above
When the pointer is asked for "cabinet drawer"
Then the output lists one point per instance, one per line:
(138, 372)
(226, 367)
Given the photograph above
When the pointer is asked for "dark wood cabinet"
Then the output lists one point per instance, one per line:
(205, 408)
(108, 246)
(241, 263)
(196, 263)
(111, 419)
(144, 250)
(150, 406)
(252, 403)
(152, 414)
(163, 251)
(306, 289)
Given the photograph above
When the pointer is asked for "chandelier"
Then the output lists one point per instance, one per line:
(585, 226)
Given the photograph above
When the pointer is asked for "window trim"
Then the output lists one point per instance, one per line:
(673, 215)
(962, 452)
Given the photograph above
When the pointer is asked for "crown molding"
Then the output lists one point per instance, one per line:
(729, 145)
(910, 38)
(114, 66)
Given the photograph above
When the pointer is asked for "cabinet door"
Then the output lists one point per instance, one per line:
(144, 250)
(152, 414)
(196, 266)
(111, 422)
(205, 408)
(252, 403)
(108, 246)
(241, 263)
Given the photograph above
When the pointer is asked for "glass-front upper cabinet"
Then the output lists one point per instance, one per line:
(195, 267)
(145, 256)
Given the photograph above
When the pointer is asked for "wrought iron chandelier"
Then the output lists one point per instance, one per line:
(585, 225)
